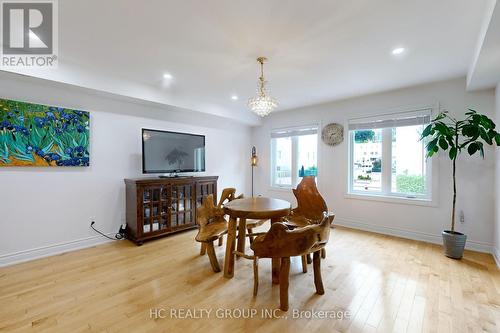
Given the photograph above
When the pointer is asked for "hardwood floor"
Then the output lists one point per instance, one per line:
(386, 284)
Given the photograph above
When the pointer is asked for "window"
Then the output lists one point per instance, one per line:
(367, 159)
(387, 157)
(283, 161)
(293, 155)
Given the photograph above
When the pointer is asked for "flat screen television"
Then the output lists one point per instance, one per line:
(172, 152)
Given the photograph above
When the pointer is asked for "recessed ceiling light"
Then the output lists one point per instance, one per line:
(398, 50)
(234, 98)
(167, 76)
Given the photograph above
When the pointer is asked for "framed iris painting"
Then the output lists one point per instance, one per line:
(42, 136)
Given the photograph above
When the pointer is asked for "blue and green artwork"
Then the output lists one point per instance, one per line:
(41, 135)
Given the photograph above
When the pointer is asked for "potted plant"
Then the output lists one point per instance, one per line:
(455, 136)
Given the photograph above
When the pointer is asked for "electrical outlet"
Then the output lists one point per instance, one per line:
(92, 219)
(462, 217)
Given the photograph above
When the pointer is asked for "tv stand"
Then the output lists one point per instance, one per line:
(157, 207)
(174, 176)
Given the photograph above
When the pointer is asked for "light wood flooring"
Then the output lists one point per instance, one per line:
(385, 283)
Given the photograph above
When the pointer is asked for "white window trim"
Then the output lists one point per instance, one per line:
(431, 169)
(392, 199)
(294, 170)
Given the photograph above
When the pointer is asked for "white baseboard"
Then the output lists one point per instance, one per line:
(50, 250)
(410, 234)
(496, 255)
(45, 251)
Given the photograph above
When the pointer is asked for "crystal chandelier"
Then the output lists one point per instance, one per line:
(262, 104)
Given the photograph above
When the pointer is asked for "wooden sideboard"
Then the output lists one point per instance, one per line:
(156, 207)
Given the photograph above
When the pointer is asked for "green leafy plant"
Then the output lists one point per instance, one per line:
(364, 136)
(455, 136)
(410, 184)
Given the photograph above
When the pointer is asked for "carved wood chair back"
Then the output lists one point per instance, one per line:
(208, 213)
(228, 194)
(310, 203)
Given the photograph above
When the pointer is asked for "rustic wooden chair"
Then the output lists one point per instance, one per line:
(212, 225)
(227, 194)
(310, 208)
(282, 242)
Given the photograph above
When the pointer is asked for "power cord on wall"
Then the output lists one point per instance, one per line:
(118, 236)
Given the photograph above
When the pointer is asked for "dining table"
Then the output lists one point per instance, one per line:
(239, 211)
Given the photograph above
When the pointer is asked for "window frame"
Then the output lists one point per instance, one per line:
(386, 193)
(294, 158)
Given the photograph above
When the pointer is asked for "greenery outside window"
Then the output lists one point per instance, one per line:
(387, 157)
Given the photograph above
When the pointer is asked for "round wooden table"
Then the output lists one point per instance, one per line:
(251, 208)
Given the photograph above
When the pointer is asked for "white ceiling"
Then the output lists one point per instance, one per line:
(318, 50)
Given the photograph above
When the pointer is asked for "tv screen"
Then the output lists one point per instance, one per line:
(167, 152)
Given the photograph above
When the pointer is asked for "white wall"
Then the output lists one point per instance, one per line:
(475, 176)
(48, 210)
(497, 185)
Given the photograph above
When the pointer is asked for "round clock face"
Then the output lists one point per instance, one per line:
(332, 134)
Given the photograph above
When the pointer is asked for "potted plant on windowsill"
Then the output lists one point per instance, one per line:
(455, 136)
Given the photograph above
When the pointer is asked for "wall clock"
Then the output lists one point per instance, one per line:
(332, 134)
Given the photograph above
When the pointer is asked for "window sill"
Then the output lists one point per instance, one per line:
(391, 199)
